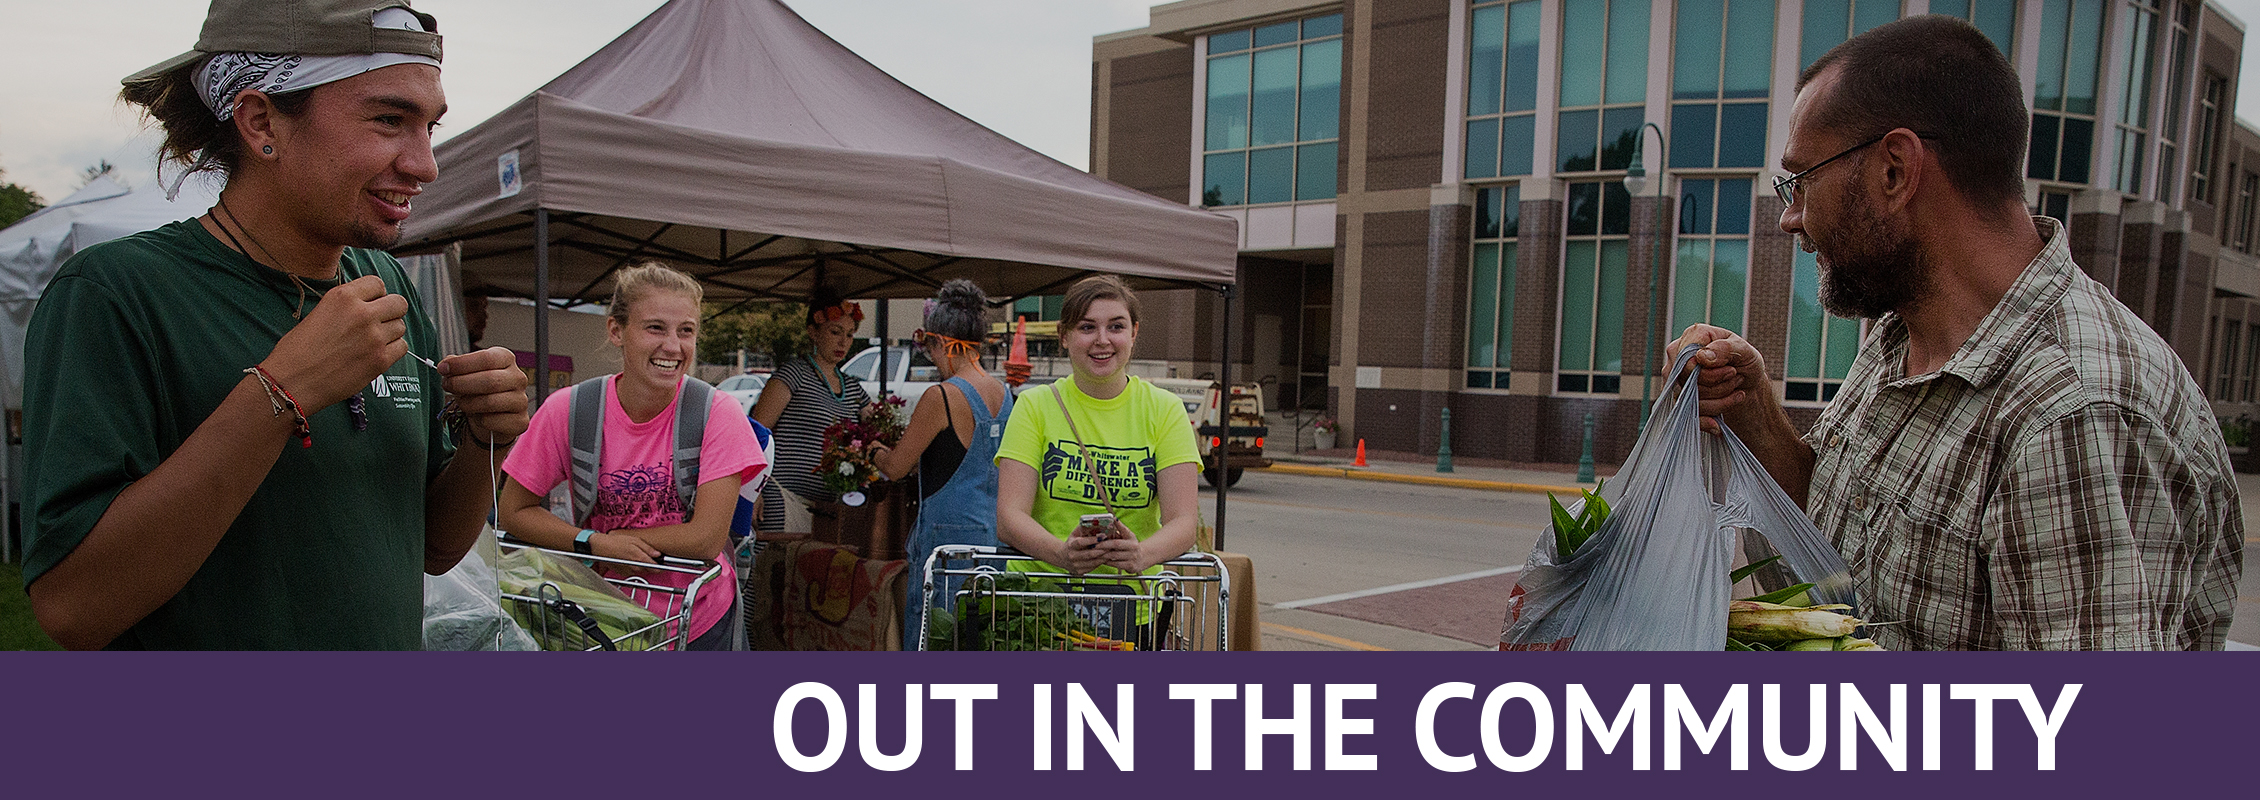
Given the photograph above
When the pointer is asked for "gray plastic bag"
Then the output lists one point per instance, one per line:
(1654, 577)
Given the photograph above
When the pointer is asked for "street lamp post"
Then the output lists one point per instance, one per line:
(1635, 182)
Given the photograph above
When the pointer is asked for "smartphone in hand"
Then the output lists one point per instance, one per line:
(1100, 525)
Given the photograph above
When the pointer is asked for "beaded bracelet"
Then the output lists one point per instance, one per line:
(279, 398)
(459, 427)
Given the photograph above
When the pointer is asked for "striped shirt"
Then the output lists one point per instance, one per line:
(800, 435)
(2059, 484)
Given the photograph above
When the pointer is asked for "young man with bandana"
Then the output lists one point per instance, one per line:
(2015, 461)
(234, 424)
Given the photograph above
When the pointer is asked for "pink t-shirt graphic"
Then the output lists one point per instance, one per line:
(636, 481)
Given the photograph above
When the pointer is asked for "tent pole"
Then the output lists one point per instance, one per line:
(885, 371)
(1224, 414)
(541, 305)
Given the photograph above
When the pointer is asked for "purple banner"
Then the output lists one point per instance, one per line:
(1344, 724)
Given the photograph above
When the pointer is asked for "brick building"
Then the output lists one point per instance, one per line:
(1434, 211)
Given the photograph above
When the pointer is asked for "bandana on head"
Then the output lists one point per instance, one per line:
(226, 75)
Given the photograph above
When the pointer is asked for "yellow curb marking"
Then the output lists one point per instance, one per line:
(1326, 638)
(1391, 477)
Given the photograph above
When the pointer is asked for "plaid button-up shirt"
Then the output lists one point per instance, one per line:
(2059, 484)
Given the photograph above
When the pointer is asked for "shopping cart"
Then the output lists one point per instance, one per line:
(563, 615)
(990, 598)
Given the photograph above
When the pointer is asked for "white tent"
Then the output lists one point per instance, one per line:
(33, 248)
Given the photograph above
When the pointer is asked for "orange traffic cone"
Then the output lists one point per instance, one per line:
(1016, 366)
(1361, 454)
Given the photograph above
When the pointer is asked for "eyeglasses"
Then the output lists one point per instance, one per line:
(1786, 188)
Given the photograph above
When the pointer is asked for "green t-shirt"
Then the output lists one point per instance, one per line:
(1133, 437)
(133, 345)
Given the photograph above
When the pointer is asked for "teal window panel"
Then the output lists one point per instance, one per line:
(1803, 359)
(1576, 135)
(1628, 52)
(1690, 284)
(1825, 22)
(1580, 269)
(1329, 25)
(1608, 319)
(1694, 135)
(1734, 206)
(2078, 150)
(1224, 179)
(1695, 51)
(1482, 148)
(1227, 102)
(1742, 135)
(1315, 171)
(1620, 136)
(1321, 112)
(1521, 87)
(1503, 343)
(1584, 209)
(1867, 14)
(2081, 56)
(2048, 77)
(1280, 33)
(2040, 156)
(1730, 280)
(1583, 23)
(1483, 308)
(1748, 69)
(1271, 175)
(1271, 113)
(1695, 205)
(1486, 59)
(1518, 144)
(1616, 209)
(1232, 42)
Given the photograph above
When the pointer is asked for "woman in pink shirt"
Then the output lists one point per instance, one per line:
(638, 514)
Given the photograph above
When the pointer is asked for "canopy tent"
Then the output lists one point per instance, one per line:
(735, 141)
(738, 142)
(33, 248)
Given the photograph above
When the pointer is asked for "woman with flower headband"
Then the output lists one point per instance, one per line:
(804, 397)
(952, 440)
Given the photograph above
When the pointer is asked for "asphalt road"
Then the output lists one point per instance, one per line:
(1359, 565)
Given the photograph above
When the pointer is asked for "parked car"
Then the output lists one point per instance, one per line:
(909, 373)
(746, 388)
(1226, 450)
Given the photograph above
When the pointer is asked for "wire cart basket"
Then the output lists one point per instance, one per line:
(991, 598)
(562, 615)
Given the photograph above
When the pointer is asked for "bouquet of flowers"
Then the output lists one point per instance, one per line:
(849, 464)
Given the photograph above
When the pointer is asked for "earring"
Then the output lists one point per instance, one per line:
(267, 149)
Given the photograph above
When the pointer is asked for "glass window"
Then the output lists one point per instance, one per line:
(2251, 361)
(1590, 357)
(1996, 18)
(1502, 89)
(1610, 81)
(2225, 366)
(2134, 112)
(1491, 290)
(1711, 273)
(1820, 347)
(1274, 94)
(2209, 119)
(1719, 90)
(2176, 72)
(2063, 119)
(1829, 22)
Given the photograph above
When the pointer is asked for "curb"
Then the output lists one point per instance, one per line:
(1356, 473)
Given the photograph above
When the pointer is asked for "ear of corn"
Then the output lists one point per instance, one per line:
(1749, 620)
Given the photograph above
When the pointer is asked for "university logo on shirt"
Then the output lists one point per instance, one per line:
(1126, 475)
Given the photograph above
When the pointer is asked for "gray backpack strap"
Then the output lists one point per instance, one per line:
(691, 407)
(588, 446)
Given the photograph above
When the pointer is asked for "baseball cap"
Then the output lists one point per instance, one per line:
(303, 27)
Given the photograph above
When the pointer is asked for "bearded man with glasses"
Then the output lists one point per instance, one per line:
(2015, 460)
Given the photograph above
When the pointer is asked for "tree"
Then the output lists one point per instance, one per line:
(774, 329)
(17, 202)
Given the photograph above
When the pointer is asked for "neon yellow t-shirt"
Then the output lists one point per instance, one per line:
(1133, 437)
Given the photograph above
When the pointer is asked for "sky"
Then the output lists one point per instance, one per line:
(1020, 67)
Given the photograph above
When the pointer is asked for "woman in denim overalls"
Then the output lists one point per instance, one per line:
(952, 441)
